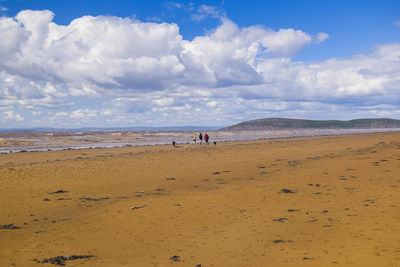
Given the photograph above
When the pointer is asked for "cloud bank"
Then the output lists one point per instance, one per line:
(112, 71)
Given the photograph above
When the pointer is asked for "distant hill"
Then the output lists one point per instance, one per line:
(282, 123)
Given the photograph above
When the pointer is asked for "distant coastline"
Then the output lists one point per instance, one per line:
(25, 141)
(44, 139)
(256, 125)
(284, 123)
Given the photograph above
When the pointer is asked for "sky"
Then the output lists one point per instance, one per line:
(86, 63)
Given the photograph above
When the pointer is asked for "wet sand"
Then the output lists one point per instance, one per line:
(311, 201)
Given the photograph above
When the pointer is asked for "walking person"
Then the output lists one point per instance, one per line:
(194, 138)
(200, 138)
(206, 137)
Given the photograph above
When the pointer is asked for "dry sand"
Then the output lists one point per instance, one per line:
(206, 205)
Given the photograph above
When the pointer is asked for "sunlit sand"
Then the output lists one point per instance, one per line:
(309, 201)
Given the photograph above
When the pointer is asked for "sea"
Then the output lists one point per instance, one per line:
(26, 141)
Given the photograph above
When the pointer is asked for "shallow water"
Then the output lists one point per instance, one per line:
(42, 141)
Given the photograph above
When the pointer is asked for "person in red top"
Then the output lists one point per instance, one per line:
(206, 137)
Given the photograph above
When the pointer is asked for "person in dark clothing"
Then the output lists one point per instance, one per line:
(206, 137)
(200, 138)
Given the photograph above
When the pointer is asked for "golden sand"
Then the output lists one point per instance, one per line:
(206, 205)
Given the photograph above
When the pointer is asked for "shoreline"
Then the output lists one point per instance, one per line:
(155, 142)
(299, 201)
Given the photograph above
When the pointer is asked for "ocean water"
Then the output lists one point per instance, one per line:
(11, 142)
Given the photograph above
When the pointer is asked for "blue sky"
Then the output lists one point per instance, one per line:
(212, 63)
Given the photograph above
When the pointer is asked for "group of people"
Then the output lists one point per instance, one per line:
(199, 137)
(206, 138)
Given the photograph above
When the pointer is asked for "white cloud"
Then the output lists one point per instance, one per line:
(84, 58)
(173, 5)
(390, 52)
(11, 116)
(107, 112)
(83, 114)
(91, 52)
(164, 101)
(231, 55)
(205, 11)
(61, 114)
(322, 36)
(13, 37)
(212, 104)
(154, 19)
(77, 114)
(186, 107)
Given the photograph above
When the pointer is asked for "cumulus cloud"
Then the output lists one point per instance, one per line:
(93, 55)
(389, 52)
(91, 52)
(146, 72)
(369, 78)
(13, 37)
(230, 55)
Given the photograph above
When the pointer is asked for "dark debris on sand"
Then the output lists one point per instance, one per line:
(292, 210)
(281, 241)
(287, 191)
(9, 226)
(60, 260)
(93, 199)
(175, 258)
(280, 220)
(60, 192)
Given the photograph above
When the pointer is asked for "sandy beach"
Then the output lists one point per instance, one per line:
(309, 201)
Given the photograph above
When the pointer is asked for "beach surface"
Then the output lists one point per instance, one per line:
(307, 201)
